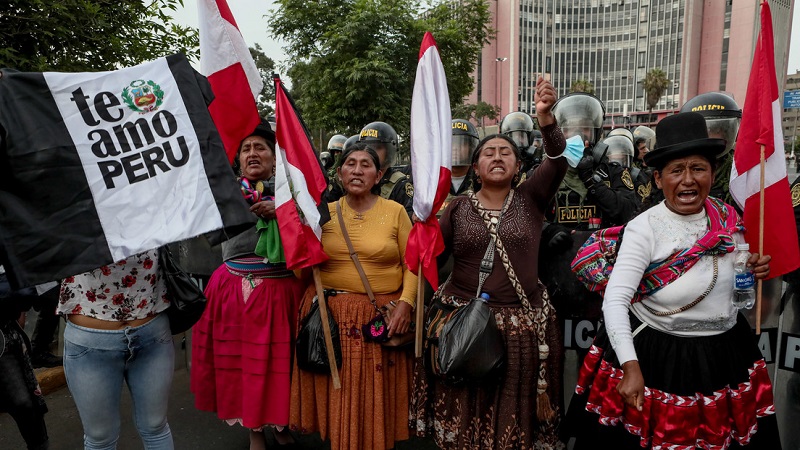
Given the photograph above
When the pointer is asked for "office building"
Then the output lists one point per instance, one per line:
(702, 45)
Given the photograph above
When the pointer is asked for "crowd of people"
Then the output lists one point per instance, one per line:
(667, 369)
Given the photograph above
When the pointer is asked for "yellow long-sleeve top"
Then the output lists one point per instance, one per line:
(379, 236)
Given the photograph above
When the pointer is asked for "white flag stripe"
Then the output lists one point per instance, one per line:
(431, 130)
(283, 191)
(222, 45)
(120, 172)
(749, 183)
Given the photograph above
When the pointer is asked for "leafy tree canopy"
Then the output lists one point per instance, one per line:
(90, 35)
(355, 60)
(265, 66)
(655, 84)
(582, 85)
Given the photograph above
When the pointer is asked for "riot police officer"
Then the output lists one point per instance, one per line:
(622, 149)
(464, 142)
(723, 116)
(595, 193)
(327, 161)
(519, 127)
(335, 190)
(335, 146)
(394, 185)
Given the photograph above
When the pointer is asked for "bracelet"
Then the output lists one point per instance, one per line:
(560, 155)
(412, 303)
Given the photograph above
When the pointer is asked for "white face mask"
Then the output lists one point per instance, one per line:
(574, 150)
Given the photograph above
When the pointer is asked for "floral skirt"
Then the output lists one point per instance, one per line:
(242, 346)
(709, 392)
(370, 411)
(500, 412)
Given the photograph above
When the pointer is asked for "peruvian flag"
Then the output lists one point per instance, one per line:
(761, 128)
(431, 133)
(226, 61)
(299, 184)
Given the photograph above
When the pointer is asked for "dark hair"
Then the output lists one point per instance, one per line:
(236, 165)
(494, 136)
(362, 147)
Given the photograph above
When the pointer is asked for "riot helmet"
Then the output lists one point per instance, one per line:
(381, 135)
(326, 159)
(336, 144)
(722, 114)
(350, 141)
(646, 135)
(518, 126)
(620, 147)
(580, 113)
(464, 142)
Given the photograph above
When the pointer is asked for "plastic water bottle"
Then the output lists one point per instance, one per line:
(744, 296)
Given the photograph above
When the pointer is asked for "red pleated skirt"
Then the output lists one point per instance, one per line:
(242, 350)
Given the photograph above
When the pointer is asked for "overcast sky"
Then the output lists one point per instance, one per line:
(250, 16)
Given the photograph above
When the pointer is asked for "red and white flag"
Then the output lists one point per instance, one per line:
(431, 133)
(761, 127)
(299, 184)
(225, 60)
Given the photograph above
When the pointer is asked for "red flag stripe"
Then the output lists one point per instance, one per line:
(232, 73)
(299, 184)
(762, 128)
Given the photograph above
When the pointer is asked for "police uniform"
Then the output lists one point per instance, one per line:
(397, 186)
(610, 198)
(642, 181)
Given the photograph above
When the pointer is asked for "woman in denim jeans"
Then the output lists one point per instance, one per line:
(116, 332)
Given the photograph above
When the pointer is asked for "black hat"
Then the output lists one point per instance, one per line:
(681, 135)
(264, 130)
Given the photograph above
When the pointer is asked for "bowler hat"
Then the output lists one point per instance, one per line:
(681, 135)
(264, 130)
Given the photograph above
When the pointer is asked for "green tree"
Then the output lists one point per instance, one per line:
(655, 84)
(354, 61)
(90, 35)
(581, 85)
(266, 66)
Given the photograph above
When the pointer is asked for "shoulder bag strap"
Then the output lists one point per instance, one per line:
(354, 257)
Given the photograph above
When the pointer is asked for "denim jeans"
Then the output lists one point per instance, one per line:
(97, 361)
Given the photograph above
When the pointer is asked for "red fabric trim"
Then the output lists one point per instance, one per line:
(674, 421)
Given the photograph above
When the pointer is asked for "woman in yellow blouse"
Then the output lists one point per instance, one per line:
(370, 411)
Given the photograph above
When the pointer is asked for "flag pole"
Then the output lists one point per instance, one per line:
(326, 328)
(420, 311)
(760, 238)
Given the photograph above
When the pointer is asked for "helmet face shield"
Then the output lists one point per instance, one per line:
(463, 145)
(520, 138)
(723, 128)
(620, 150)
(580, 114)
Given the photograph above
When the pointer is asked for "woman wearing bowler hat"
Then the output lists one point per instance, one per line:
(676, 365)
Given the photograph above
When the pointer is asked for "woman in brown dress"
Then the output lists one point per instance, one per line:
(514, 409)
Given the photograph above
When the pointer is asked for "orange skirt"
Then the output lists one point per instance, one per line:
(370, 411)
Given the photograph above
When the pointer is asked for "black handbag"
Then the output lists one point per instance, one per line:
(186, 300)
(312, 356)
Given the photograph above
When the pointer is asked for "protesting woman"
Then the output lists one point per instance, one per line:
(242, 345)
(370, 411)
(516, 409)
(677, 365)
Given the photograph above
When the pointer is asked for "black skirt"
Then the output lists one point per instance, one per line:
(710, 392)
